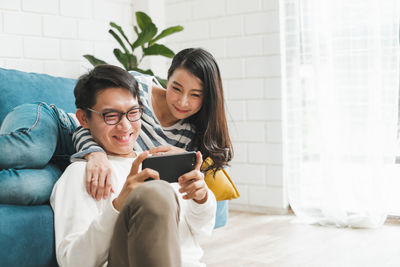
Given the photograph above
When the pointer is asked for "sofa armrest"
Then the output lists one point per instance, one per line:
(27, 236)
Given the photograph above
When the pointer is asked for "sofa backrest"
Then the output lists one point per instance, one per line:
(18, 87)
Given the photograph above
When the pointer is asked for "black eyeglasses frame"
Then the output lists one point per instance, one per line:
(104, 114)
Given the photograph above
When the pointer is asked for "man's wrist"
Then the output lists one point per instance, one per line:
(116, 204)
(203, 200)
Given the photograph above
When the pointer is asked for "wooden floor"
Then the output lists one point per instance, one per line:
(252, 240)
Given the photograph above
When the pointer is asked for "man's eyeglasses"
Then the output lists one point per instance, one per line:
(114, 117)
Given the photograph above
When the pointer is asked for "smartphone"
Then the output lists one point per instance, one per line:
(170, 167)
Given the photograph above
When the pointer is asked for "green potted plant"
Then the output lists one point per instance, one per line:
(146, 40)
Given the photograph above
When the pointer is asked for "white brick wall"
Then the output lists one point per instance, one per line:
(240, 151)
(264, 110)
(273, 88)
(63, 28)
(226, 26)
(274, 132)
(23, 64)
(202, 10)
(50, 36)
(244, 38)
(216, 46)
(253, 45)
(41, 48)
(250, 174)
(239, 89)
(89, 29)
(112, 11)
(22, 23)
(236, 110)
(267, 153)
(231, 68)
(74, 49)
(40, 6)
(10, 46)
(258, 66)
(10, 5)
(266, 22)
(177, 12)
(242, 7)
(76, 8)
(271, 44)
(270, 4)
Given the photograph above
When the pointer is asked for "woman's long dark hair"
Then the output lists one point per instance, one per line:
(212, 136)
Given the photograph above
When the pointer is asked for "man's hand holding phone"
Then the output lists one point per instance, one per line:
(134, 179)
(193, 184)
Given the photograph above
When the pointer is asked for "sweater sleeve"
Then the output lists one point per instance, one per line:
(83, 227)
(201, 217)
(84, 144)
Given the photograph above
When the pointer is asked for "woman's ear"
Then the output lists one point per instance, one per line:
(82, 118)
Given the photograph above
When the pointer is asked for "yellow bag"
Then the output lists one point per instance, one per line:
(220, 184)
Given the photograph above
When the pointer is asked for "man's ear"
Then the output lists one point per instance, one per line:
(82, 118)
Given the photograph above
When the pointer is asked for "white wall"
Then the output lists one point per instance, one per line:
(244, 38)
(50, 36)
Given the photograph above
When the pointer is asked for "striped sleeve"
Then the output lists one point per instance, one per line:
(84, 144)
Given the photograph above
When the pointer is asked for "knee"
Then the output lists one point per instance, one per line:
(21, 118)
(28, 135)
(155, 198)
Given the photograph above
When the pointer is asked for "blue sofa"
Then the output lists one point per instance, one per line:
(27, 232)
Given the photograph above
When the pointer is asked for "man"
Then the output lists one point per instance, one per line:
(143, 223)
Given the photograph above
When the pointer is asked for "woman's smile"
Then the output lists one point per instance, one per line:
(180, 110)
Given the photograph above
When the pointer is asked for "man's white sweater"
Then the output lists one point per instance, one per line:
(84, 226)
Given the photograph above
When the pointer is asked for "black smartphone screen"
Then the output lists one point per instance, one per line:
(170, 167)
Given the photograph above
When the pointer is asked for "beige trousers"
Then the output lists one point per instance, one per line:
(146, 232)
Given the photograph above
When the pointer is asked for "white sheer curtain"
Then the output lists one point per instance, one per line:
(340, 94)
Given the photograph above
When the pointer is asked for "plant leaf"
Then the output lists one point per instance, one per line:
(94, 61)
(132, 62)
(143, 20)
(162, 81)
(123, 58)
(145, 36)
(167, 32)
(121, 43)
(149, 72)
(158, 49)
(135, 28)
(119, 29)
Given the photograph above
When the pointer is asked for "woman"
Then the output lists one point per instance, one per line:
(188, 115)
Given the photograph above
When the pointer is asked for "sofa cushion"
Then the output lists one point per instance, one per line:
(27, 236)
(221, 217)
(17, 87)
